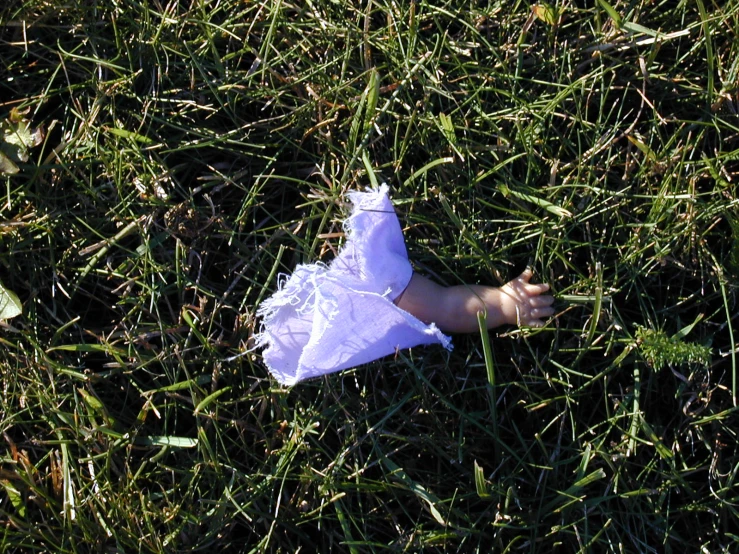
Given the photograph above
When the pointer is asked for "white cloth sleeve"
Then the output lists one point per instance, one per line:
(324, 318)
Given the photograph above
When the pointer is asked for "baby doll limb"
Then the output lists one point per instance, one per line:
(454, 309)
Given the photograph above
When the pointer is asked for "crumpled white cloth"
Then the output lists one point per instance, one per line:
(325, 318)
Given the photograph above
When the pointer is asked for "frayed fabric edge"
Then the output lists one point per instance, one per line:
(303, 374)
(287, 295)
(287, 285)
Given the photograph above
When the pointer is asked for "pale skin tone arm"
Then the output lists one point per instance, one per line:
(454, 309)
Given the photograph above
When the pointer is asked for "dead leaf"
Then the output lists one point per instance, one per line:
(546, 13)
(17, 136)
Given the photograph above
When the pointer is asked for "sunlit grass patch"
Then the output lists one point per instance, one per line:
(193, 152)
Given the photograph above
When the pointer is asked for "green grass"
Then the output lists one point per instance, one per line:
(194, 150)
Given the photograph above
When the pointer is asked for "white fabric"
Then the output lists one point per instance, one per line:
(328, 318)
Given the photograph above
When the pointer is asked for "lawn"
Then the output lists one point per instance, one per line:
(163, 162)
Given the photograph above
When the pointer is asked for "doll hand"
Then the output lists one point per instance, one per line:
(525, 304)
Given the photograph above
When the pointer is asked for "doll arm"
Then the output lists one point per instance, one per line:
(454, 309)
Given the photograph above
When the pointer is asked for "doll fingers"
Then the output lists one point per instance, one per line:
(525, 277)
(535, 321)
(541, 301)
(541, 313)
(535, 290)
